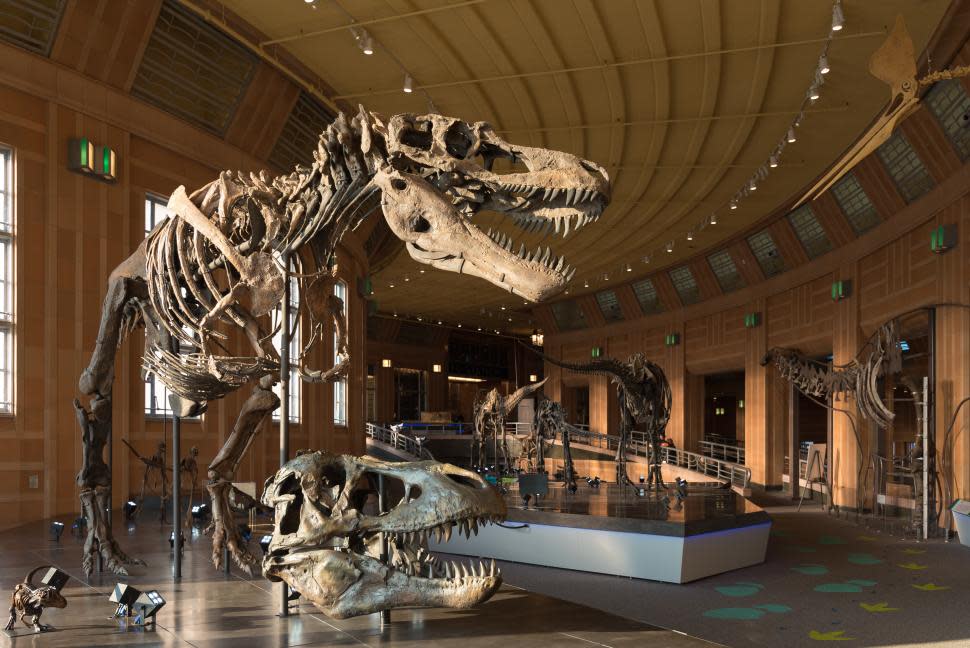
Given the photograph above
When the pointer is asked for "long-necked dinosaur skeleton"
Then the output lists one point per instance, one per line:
(491, 412)
(644, 398)
(221, 263)
(857, 379)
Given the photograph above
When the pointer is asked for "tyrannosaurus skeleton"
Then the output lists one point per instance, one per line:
(222, 262)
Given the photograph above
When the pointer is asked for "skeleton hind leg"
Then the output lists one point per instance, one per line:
(94, 478)
(222, 471)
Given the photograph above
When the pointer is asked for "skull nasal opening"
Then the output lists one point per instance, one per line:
(464, 481)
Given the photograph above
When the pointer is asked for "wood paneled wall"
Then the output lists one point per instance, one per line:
(70, 233)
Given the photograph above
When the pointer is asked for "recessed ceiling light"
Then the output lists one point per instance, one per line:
(408, 84)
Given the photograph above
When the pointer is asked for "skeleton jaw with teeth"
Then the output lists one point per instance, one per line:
(326, 540)
(440, 175)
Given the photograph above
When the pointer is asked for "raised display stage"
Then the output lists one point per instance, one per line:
(609, 530)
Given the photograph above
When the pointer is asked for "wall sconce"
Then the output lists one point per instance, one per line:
(596, 352)
(943, 238)
(672, 339)
(537, 338)
(752, 320)
(533, 378)
(386, 363)
(98, 162)
(436, 368)
(841, 289)
(741, 404)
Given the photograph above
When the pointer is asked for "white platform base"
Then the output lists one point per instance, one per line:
(671, 559)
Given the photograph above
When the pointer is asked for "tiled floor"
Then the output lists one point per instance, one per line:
(208, 609)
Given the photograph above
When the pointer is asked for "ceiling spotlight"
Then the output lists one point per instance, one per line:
(772, 162)
(420, 319)
(813, 94)
(646, 258)
(690, 236)
(391, 285)
(670, 246)
(439, 322)
(395, 314)
(713, 218)
(752, 185)
(459, 325)
(606, 276)
(823, 64)
(479, 328)
(502, 307)
(408, 84)
(367, 44)
(308, 1)
(734, 203)
(629, 268)
(406, 278)
(791, 135)
(421, 270)
(838, 18)
(585, 283)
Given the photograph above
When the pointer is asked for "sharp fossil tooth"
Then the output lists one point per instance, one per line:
(454, 568)
(559, 265)
(521, 250)
(566, 230)
(464, 571)
(555, 192)
(569, 277)
(447, 532)
(532, 192)
(546, 193)
(558, 224)
(474, 526)
(447, 571)
(545, 258)
(570, 194)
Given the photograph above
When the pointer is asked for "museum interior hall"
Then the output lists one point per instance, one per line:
(479, 323)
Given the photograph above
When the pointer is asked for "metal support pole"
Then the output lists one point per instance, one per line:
(382, 508)
(176, 502)
(926, 457)
(284, 351)
(794, 447)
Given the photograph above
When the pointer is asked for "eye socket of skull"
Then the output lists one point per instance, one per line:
(459, 140)
(418, 135)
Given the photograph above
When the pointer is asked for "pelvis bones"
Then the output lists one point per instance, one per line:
(327, 537)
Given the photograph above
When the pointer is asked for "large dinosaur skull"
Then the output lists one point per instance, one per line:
(326, 540)
(440, 176)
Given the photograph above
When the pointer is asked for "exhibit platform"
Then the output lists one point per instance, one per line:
(611, 530)
(209, 609)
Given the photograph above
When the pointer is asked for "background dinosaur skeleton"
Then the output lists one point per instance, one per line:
(223, 261)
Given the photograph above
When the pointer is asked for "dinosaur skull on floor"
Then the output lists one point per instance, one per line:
(326, 540)
(440, 175)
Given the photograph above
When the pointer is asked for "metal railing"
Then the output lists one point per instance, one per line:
(420, 428)
(724, 451)
(523, 428)
(639, 445)
(400, 440)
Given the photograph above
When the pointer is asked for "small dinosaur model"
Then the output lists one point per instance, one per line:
(28, 602)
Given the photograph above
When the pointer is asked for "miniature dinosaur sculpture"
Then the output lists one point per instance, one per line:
(644, 398)
(490, 415)
(30, 601)
(328, 532)
(222, 262)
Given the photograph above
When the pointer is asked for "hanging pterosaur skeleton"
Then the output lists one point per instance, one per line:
(221, 262)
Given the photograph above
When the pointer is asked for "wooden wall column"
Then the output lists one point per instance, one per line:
(847, 456)
(765, 409)
(675, 366)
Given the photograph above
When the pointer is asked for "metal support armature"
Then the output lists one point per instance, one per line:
(285, 399)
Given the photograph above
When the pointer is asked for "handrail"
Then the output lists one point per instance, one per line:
(724, 451)
(639, 445)
(399, 440)
(422, 428)
(520, 428)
